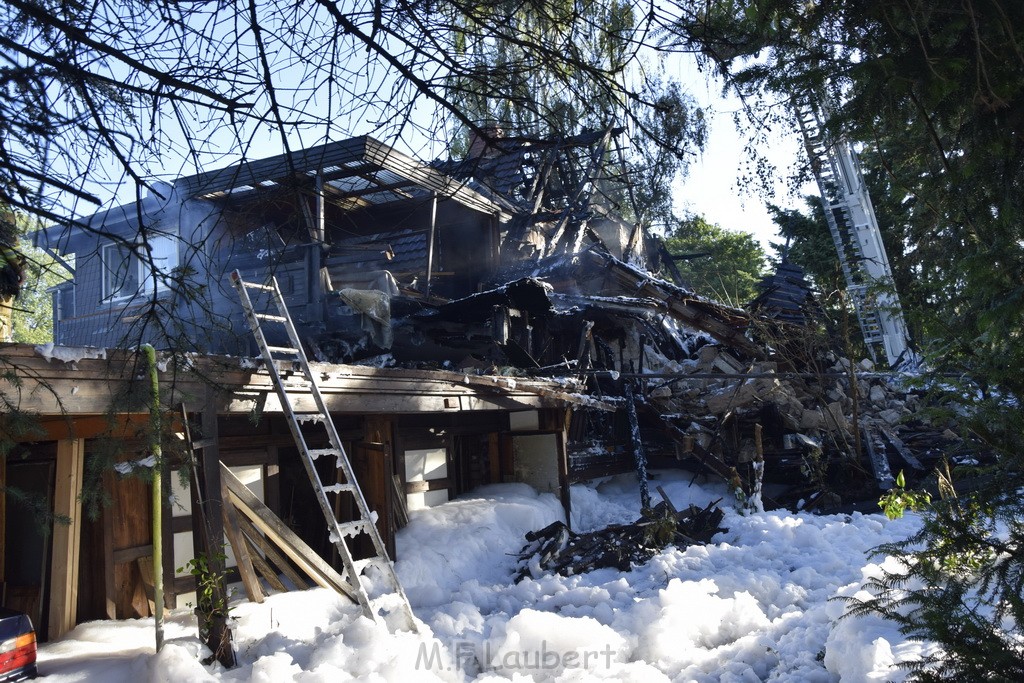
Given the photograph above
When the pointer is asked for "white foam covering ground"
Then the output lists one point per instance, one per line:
(756, 605)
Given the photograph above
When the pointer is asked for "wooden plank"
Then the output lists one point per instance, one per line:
(66, 537)
(427, 177)
(253, 589)
(184, 584)
(723, 324)
(272, 553)
(145, 565)
(131, 513)
(668, 501)
(261, 564)
(294, 547)
(901, 448)
(272, 479)
(277, 168)
(400, 509)
(92, 426)
(698, 452)
(80, 389)
(126, 555)
(877, 458)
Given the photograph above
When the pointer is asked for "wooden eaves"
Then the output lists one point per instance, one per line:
(96, 386)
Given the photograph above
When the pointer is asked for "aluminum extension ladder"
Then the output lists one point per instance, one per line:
(856, 236)
(394, 605)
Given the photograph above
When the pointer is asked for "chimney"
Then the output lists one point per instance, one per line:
(482, 146)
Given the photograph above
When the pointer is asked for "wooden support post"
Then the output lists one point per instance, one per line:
(320, 220)
(639, 455)
(208, 527)
(319, 234)
(66, 537)
(209, 472)
(757, 505)
(563, 478)
(109, 576)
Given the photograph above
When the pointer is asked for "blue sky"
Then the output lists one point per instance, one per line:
(713, 186)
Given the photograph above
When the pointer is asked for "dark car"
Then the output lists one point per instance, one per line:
(17, 646)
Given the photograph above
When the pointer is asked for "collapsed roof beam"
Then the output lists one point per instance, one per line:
(725, 325)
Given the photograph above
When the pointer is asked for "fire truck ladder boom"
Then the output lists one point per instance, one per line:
(856, 236)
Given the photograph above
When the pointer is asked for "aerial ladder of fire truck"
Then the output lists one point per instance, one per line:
(856, 236)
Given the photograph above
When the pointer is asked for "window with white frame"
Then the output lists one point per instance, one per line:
(127, 273)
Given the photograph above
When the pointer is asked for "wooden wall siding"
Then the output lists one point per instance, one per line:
(131, 539)
(494, 457)
(95, 575)
(470, 458)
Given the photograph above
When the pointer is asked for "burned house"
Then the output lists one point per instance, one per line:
(483, 320)
(514, 260)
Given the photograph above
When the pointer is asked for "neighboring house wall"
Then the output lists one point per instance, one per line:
(120, 296)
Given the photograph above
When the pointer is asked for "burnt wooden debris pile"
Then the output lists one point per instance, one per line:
(528, 269)
(693, 381)
(556, 548)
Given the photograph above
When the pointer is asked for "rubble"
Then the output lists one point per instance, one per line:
(556, 548)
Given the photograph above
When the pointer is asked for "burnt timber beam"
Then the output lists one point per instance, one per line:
(683, 305)
(695, 450)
